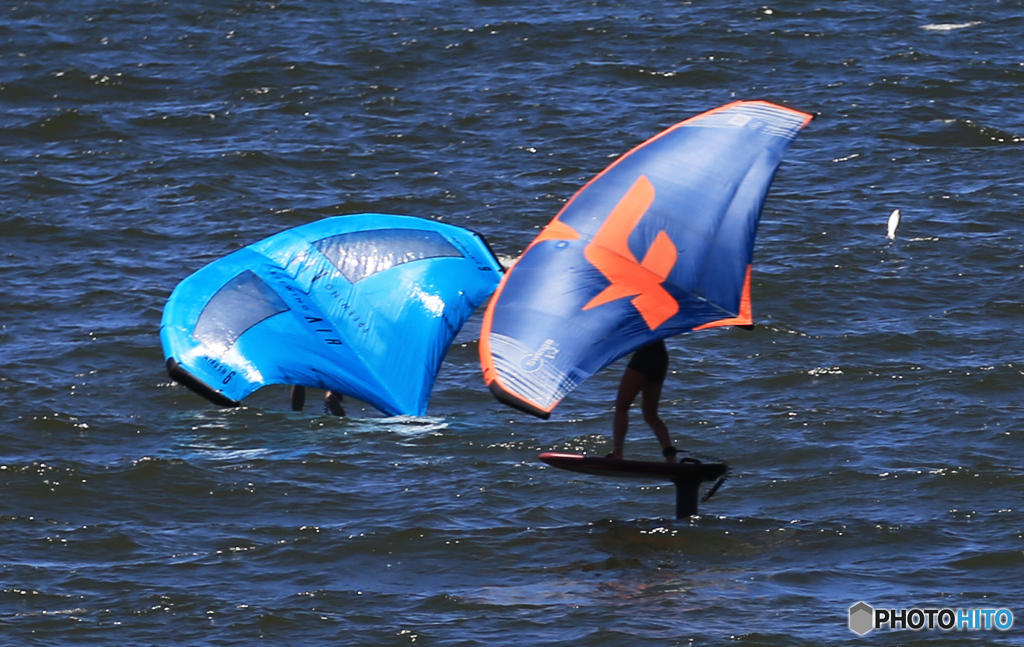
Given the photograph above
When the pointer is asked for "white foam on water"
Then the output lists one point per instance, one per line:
(950, 26)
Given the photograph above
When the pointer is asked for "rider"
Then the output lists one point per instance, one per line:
(332, 401)
(644, 375)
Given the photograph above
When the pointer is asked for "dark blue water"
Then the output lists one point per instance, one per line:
(872, 418)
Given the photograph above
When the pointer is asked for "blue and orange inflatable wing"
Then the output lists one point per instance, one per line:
(366, 305)
(658, 244)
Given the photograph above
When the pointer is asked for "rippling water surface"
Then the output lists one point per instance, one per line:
(872, 418)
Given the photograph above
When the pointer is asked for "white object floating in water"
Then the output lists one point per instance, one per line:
(950, 26)
(894, 222)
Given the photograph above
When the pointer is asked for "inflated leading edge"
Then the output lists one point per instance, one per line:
(366, 305)
(658, 244)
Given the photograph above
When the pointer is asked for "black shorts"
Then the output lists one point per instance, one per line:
(652, 361)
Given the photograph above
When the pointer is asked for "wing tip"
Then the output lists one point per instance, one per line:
(514, 401)
(194, 384)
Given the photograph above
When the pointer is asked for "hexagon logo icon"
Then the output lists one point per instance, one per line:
(862, 618)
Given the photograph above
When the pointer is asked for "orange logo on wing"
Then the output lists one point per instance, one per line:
(609, 252)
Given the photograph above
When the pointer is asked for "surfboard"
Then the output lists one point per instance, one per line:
(686, 470)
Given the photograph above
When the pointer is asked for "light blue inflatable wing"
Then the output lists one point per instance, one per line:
(366, 305)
